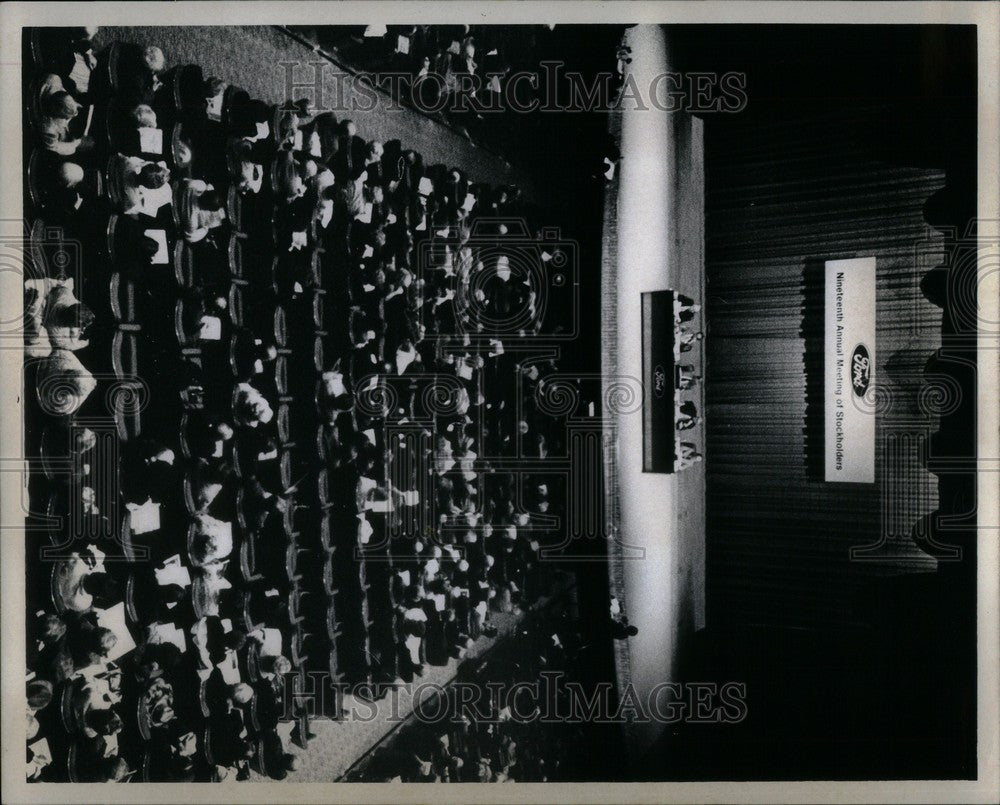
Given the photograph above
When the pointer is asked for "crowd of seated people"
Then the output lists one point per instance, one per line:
(495, 730)
(467, 74)
(263, 423)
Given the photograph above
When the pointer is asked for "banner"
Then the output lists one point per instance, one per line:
(659, 402)
(850, 371)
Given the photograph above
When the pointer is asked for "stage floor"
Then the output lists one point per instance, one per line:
(653, 240)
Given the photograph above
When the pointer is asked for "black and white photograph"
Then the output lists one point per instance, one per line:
(597, 397)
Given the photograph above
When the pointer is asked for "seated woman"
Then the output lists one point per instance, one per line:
(90, 645)
(158, 700)
(202, 210)
(66, 319)
(57, 110)
(138, 186)
(48, 653)
(63, 383)
(211, 540)
(92, 692)
(80, 582)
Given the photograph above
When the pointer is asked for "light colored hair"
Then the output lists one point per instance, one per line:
(154, 58)
(144, 116)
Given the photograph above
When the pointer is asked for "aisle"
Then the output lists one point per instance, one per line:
(338, 745)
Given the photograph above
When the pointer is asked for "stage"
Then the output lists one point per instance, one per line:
(653, 240)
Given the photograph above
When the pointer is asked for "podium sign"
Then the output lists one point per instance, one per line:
(849, 376)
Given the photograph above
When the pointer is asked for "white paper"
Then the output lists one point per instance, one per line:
(113, 618)
(173, 574)
(144, 518)
(211, 328)
(80, 74)
(162, 256)
(271, 646)
(229, 669)
(151, 140)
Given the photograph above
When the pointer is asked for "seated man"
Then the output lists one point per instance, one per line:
(139, 242)
(204, 210)
(68, 52)
(63, 188)
(57, 110)
(63, 383)
(137, 72)
(141, 187)
(687, 415)
(39, 757)
(250, 408)
(250, 177)
(102, 727)
(688, 378)
(139, 134)
(37, 310)
(333, 395)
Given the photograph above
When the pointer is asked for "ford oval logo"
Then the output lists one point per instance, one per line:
(861, 370)
(659, 381)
